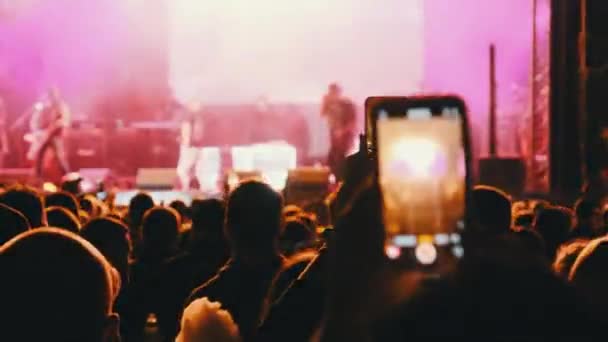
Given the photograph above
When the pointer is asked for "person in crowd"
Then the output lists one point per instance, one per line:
(492, 210)
(253, 227)
(532, 242)
(588, 275)
(296, 236)
(181, 208)
(205, 252)
(111, 238)
(554, 225)
(92, 206)
(523, 219)
(138, 206)
(62, 199)
(207, 321)
(27, 201)
(206, 239)
(60, 217)
(55, 287)
(145, 295)
(566, 256)
(291, 211)
(587, 215)
(12, 223)
(496, 293)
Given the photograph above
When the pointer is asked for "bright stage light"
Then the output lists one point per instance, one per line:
(420, 158)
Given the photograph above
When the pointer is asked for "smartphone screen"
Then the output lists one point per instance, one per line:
(420, 148)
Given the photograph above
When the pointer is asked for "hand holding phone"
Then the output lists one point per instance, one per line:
(422, 155)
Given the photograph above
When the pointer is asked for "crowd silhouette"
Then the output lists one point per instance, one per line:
(249, 268)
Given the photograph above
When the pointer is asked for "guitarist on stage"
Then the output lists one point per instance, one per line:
(47, 124)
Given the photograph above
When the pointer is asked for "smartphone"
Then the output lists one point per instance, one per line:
(422, 151)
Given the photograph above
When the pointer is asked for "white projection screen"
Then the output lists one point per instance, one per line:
(234, 51)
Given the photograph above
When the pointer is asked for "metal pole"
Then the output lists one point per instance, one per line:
(533, 171)
(584, 74)
(492, 116)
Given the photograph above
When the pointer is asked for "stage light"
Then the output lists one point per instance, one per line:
(419, 158)
(49, 187)
(274, 160)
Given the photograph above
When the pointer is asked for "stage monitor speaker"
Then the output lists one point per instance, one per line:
(17, 176)
(93, 177)
(307, 185)
(232, 178)
(507, 174)
(156, 178)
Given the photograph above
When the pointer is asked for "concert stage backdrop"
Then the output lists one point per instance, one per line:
(124, 59)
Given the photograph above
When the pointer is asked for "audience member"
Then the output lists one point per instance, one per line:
(159, 231)
(111, 238)
(55, 287)
(492, 210)
(291, 211)
(566, 256)
(144, 295)
(554, 225)
(27, 201)
(12, 223)
(588, 274)
(60, 217)
(586, 220)
(138, 206)
(62, 199)
(181, 208)
(206, 251)
(523, 220)
(532, 242)
(296, 236)
(253, 226)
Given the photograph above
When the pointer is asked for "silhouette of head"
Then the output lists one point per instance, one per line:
(588, 274)
(55, 287)
(28, 202)
(296, 235)
(253, 218)
(138, 206)
(12, 223)
(587, 218)
(111, 238)
(553, 224)
(566, 256)
(208, 218)
(492, 209)
(531, 241)
(64, 200)
(91, 205)
(181, 208)
(291, 211)
(160, 229)
(61, 217)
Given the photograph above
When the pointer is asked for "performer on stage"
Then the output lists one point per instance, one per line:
(48, 122)
(340, 114)
(194, 157)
